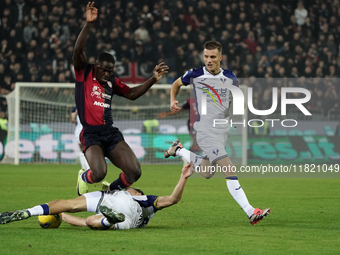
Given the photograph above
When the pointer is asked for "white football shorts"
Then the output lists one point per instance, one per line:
(213, 145)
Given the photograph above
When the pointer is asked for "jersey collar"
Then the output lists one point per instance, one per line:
(212, 73)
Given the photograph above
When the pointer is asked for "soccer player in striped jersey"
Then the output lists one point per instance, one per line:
(118, 209)
(95, 87)
(213, 99)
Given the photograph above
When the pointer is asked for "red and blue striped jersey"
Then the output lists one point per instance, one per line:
(93, 100)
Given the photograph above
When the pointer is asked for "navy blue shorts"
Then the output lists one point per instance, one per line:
(107, 139)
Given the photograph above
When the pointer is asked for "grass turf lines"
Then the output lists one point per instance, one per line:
(206, 221)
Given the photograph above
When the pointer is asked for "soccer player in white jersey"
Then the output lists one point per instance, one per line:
(78, 128)
(119, 209)
(209, 83)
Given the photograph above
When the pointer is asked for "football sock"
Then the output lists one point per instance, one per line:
(238, 194)
(43, 209)
(83, 161)
(120, 183)
(86, 176)
(106, 223)
(189, 156)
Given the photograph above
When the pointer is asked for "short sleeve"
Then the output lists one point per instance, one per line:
(191, 74)
(120, 88)
(232, 76)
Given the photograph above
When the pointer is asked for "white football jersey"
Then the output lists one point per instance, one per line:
(213, 98)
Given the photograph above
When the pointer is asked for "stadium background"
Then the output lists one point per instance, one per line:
(261, 39)
(206, 221)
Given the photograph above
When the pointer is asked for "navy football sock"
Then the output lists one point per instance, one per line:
(120, 183)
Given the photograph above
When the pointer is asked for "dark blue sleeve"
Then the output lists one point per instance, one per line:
(189, 75)
(147, 201)
(231, 75)
(152, 200)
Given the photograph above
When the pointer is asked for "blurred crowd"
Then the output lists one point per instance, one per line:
(261, 39)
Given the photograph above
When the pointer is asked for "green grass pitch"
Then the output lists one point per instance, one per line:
(304, 217)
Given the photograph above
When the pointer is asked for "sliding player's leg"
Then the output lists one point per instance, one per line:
(54, 207)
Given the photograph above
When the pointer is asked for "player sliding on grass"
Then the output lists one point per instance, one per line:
(211, 92)
(95, 86)
(118, 209)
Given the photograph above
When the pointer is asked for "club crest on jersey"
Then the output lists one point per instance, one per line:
(110, 84)
(96, 91)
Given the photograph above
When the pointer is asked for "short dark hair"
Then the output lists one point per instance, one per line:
(105, 57)
(211, 45)
(138, 190)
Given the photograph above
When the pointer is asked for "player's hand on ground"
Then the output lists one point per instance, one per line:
(91, 12)
(159, 70)
(188, 170)
(174, 106)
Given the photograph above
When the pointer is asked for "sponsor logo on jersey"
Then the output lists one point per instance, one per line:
(106, 96)
(101, 104)
(208, 92)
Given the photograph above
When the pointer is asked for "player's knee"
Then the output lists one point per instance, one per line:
(98, 176)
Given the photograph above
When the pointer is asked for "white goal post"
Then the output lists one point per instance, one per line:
(40, 131)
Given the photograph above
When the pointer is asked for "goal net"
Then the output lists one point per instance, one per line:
(40, 130)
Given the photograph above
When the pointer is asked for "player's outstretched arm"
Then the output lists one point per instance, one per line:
(74, 220)
(173, 94)
(175, 197)
(162, 115)
(158, 72)
(79, 57)
(93, 221)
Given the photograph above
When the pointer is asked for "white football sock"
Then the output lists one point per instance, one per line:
(189, 156)
(36, 210)
(83, 161)
(238, 194)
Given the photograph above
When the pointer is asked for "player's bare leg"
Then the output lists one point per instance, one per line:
(205, 169)
(70, 205)
(124, 158)
(98, 167)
